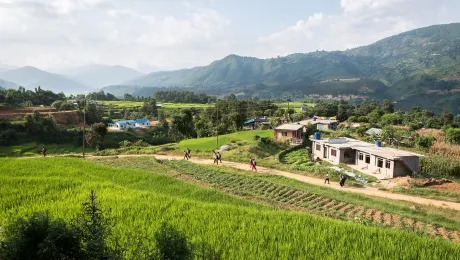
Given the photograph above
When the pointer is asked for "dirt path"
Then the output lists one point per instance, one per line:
(370, 191)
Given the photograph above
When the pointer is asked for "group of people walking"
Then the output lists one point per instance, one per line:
(341, 182)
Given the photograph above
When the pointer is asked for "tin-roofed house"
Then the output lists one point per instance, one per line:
(321, 124)
(143, 123)
(382, 162)
(293, 133)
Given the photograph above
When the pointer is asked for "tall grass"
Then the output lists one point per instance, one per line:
(141, 200)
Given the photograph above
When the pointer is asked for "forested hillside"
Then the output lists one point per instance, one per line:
(402, 67)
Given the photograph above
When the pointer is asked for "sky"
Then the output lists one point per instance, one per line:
(153, 35)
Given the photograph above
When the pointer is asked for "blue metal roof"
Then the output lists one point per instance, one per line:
(125, 121)
(250, 121)
(141, 120)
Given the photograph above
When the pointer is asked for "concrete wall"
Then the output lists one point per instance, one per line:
(280, 137)
(372, 166)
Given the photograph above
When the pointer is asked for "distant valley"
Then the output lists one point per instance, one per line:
(416, 68)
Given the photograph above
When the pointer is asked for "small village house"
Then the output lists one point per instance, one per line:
(129, 124)
(142, 123)
(382, 162)
(293, 133)
(257, 123)
(374, 131)
(321, 124)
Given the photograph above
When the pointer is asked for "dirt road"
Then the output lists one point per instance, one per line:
(370, 191)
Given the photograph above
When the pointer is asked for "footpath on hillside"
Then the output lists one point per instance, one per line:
(370, 191)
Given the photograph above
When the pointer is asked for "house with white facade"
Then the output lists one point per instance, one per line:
(382, 162)
(321, 124)
(129, 124)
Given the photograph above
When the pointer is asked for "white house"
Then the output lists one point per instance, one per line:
(373, 159)
(129, 124)
(142, 123)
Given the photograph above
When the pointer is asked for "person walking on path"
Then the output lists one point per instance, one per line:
(327, 179)
(219, 157)
(44, 151)
(187, 154)
(252, 164)
(342, 180)
(215, 157)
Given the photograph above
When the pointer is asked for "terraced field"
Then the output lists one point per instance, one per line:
(289, 197)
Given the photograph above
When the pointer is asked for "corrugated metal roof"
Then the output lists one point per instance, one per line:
(289, 127)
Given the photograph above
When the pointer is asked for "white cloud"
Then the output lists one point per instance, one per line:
(361, 22)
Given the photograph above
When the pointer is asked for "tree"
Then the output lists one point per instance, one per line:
(150, 108)
(95, 137)
(94, 113)
(388, 107)
(453, 135)
(374, 116)
(446, 118)
(39, 237)
(94, 228)
(172, 244)
(424, 142)
(341, 113)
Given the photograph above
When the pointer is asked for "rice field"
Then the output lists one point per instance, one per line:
(140, 200)
(136, 104)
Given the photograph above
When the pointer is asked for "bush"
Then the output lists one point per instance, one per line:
(39, 237)
(424, 141)
(172, 244)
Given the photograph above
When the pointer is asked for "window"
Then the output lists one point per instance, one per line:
(346, 154)
(380, 163)
(284, 133)
(368, 159)
(318, 147)
(387, 164)
(361, 156)
(334, 152)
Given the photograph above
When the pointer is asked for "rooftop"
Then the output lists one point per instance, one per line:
(289, 127)
(386, 152)
(318, 121)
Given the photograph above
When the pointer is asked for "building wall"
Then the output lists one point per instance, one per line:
(372, 166)
(279, 135)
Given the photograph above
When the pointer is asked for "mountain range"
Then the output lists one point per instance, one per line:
(98, 76)
(420, 67)
(415, 68)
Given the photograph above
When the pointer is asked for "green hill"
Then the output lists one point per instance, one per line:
(384, 68)
(141, 200)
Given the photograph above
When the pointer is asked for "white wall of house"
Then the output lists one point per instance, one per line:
(372, 163)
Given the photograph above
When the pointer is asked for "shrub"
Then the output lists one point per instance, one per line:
(172, 244)
(39, 237)
(424, 141)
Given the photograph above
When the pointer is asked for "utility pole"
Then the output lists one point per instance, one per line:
(84, 126)
(217, 127)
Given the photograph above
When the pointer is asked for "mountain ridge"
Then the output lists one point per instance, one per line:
(32, 77)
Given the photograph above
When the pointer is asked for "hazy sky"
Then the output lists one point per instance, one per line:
(170, 34)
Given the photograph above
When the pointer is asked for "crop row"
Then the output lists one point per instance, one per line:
(289, 197)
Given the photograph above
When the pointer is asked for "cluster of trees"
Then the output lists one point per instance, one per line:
(175, 96)
(228, 115)
(23, 97)
(101, 95)
(381, 115)
(89, 235)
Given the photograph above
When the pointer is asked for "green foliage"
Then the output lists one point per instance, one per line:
(453, 135)
(173, 96)
(39, 237)
(440, 166)
(424, 142)
(150, 108)
(21, 96)
(172, 244)
(95, 136)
